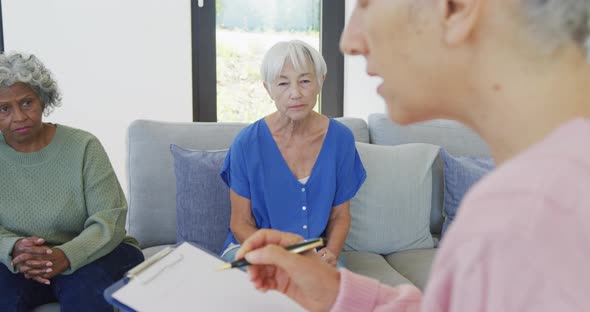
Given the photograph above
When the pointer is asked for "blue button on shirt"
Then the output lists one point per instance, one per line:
(254, 168)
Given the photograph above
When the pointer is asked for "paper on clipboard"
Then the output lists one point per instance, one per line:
(186, 280)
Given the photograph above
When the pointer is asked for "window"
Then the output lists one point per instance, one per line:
(229, 39)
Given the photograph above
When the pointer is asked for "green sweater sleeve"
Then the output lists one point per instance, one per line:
(106, 206)
(7, 241)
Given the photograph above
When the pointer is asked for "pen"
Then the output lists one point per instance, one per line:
(296, 248)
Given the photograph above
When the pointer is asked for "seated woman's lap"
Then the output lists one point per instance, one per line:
(79, 291)
(21, 294)
(230, 252)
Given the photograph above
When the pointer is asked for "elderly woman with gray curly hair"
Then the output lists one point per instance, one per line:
(62, 213)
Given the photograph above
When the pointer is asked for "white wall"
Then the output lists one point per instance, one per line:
(360, 90)
(121, 60)
(115, 61)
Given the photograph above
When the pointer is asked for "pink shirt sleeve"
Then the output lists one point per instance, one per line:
(360, 293)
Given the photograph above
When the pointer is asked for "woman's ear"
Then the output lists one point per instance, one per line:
(459, 19)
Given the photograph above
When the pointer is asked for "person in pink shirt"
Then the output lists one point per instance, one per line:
(518, 73)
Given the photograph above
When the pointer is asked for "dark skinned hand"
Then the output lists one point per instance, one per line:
(37, 261)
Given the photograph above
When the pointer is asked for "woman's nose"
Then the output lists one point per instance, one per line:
(352, 41)
(295, 91)
(19, 115)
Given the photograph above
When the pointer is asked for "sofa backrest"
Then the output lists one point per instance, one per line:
(452, 136)
(152, 185)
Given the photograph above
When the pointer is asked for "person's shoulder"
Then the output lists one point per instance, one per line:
(341, 130)
(249, 134)
(548, 170)
(340, 127)
(79, 143)
(530, 193)
(76, 134)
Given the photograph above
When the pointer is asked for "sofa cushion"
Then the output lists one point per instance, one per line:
(202, 199)
(391, 211)
(414, 264)
(451, 135)
(460, 174)
(372, 265)
(49, 307)
(359, 128)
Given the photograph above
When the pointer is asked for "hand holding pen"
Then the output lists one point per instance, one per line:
(304, 278)
(299, 247)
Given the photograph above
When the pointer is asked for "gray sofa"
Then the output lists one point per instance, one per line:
(152, 190)
(152, 214)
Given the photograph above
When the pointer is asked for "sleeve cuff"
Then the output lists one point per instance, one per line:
(352, 191)
(76, 256)
(357, 293)
(6, 247)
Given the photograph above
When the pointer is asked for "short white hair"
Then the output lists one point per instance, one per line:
(557, 22)
(299, 53)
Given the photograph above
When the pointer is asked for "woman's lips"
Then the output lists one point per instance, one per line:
(380, 89)
(23, 129)
(297, 106)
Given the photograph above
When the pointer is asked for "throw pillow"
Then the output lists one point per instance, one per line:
(391, 211)
(460, 174)
(202, 199)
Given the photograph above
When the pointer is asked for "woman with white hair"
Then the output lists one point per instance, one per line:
(294, 170)
(517, 72)
(62, 211)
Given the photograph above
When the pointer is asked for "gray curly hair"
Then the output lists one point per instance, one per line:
(557, 22)
(18, 67)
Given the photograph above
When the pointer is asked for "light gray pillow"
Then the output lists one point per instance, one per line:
(391, 211)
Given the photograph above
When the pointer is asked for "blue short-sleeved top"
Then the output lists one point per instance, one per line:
(254, 168)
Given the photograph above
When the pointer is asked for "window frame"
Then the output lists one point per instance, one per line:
(1, 31)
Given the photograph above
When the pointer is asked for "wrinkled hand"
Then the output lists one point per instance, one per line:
(31, 245)
(37, 261)
(28, 257)
(304, 278)
(328, 256)
(32, 267)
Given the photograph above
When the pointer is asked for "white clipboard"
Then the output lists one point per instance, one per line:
(185, 279)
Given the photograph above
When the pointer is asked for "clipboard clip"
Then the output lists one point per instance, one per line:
(133, 273)
(147, 277)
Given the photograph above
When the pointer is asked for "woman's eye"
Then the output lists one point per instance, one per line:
(27, 102)
(282, 84)
(305, 81)
(3, 108)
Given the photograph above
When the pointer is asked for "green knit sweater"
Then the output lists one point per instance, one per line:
(67, 193)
